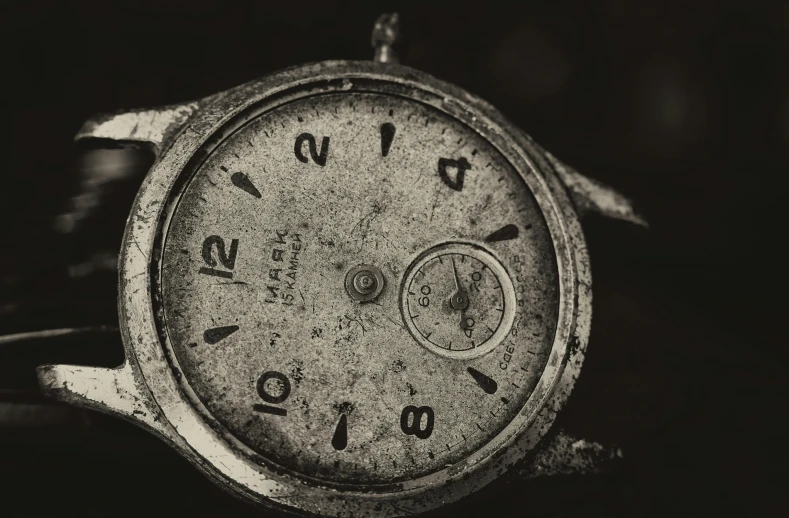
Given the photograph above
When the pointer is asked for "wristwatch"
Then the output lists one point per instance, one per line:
(350, 289)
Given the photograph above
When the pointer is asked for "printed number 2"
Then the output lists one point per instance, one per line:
(318, 158)
(228, 259)
(415, 425)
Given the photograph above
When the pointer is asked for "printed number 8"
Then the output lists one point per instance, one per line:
(415, 427)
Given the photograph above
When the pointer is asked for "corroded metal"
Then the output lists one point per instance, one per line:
(153, 126)
(589, 195)
(116, 391)
(163, 388)
(566, 454)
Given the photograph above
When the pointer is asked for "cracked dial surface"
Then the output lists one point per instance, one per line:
(268, 342)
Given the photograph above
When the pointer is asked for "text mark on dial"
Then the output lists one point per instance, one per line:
(387, 136)
(243, 182)
(217, 334)
(485, 382)
(505, 233)
(318, 158)
(411, 421)
(424, 301)
(460, 164)
(228, 260)
(476, 276)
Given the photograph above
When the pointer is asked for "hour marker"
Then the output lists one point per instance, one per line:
(387, 136)
(486, 383)
(217, 334)
(243, 182)
(505, 233)
(340, 439)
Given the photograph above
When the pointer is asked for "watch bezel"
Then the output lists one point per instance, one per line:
(210, 448)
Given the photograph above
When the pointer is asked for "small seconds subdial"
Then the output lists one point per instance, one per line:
(457, 300)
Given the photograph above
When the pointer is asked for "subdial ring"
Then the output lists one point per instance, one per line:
(458, 300)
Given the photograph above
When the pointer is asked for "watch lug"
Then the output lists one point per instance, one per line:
(111, 391)
(565, 454)
(153, 125)
(589, 195)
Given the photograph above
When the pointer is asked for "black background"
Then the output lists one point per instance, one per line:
(682, 106)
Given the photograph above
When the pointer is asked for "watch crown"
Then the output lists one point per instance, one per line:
(386, 31)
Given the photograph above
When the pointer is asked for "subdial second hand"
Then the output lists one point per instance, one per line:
(459, 299)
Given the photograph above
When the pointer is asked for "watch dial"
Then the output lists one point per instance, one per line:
(359, 288)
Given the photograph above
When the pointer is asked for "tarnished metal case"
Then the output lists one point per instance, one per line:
(151, 390)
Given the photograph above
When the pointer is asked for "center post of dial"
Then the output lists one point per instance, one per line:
(364, 282)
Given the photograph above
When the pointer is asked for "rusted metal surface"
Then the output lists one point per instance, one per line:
(192, 380)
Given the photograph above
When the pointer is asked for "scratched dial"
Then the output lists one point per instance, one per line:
(458, 301)
(254, 284)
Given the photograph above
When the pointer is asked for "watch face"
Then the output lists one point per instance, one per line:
(359, 288)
